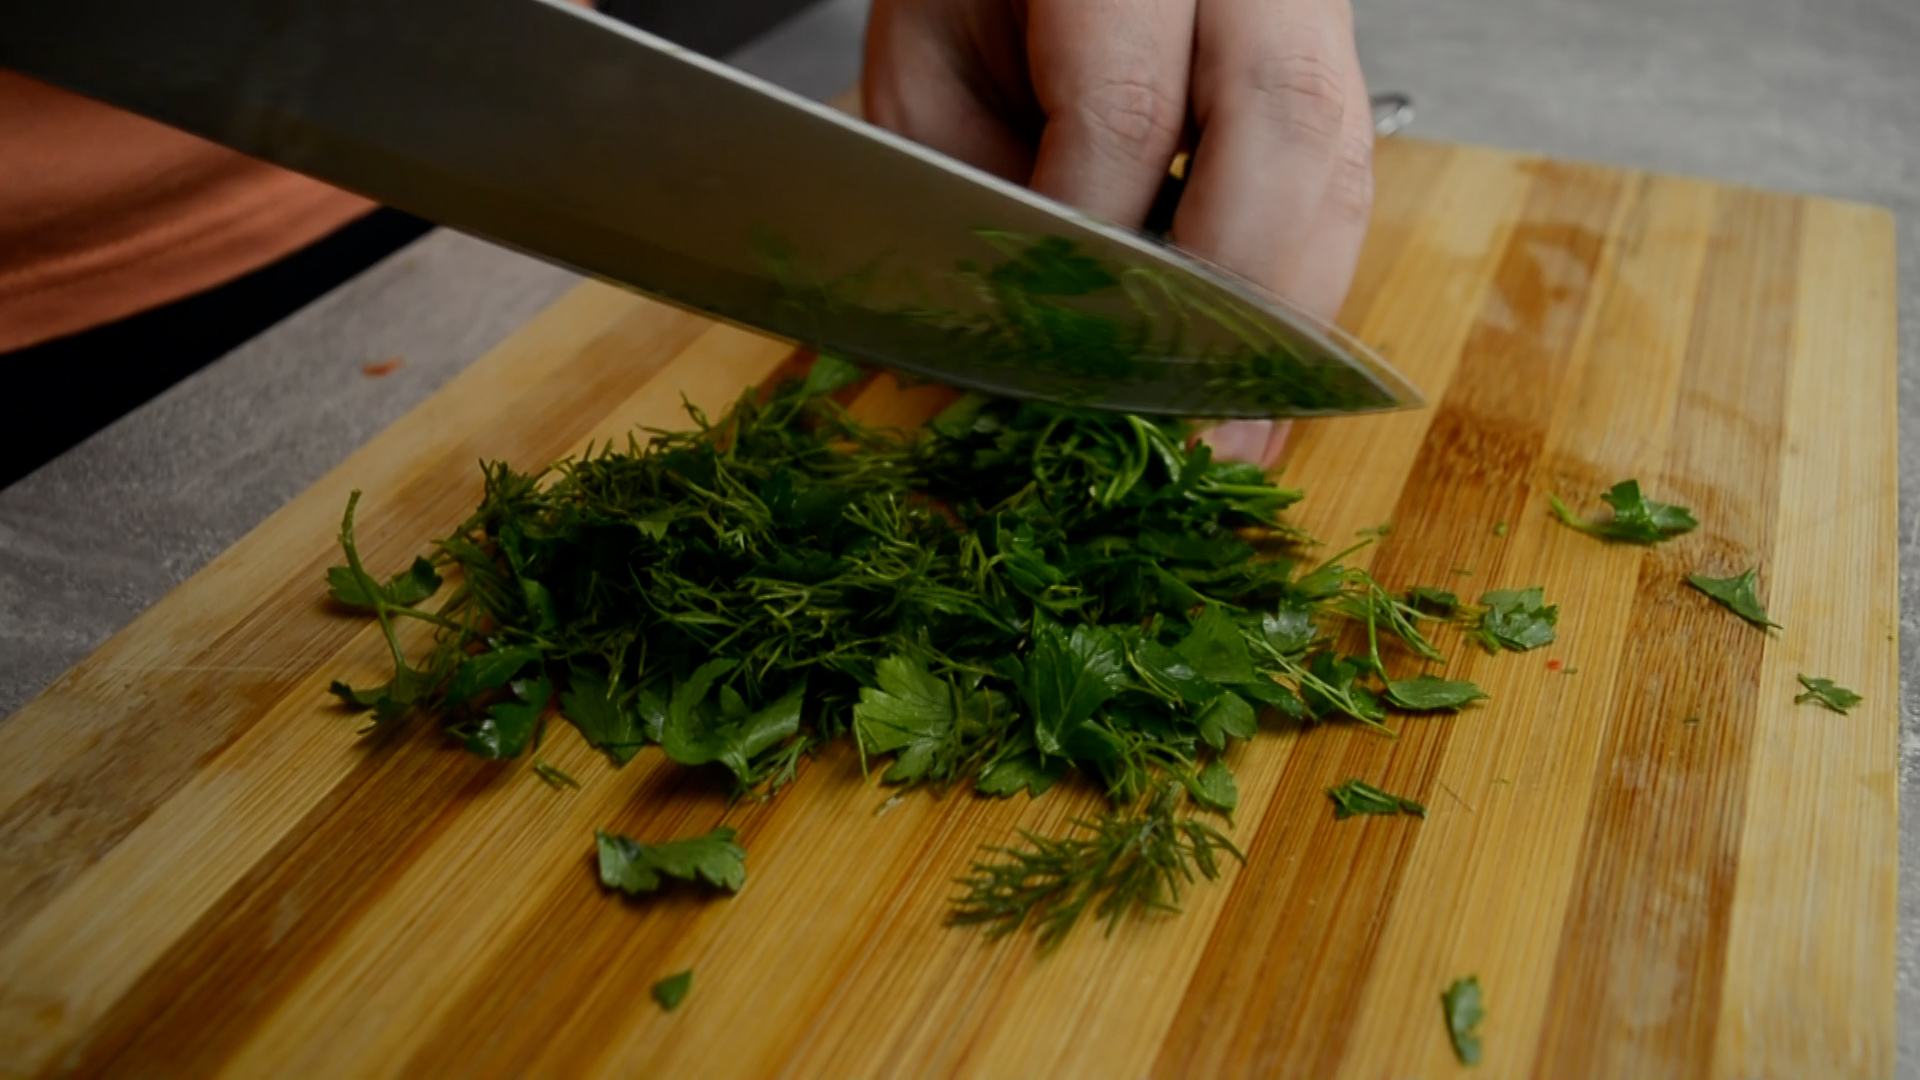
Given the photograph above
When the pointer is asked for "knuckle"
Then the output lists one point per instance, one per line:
(1350, 188)
(1301, 90)
(1133, 117)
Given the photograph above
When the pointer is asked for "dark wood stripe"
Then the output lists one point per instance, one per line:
(1290, 957)
(1638, 978)
(86, 807)
(202, 999)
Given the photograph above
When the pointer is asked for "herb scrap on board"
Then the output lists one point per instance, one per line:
(1636, 518)
(672, 990)
(1738, 594)
(1353, 796)
(1827, 693)
(1464, 1011)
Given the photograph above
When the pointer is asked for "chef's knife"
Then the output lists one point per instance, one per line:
(583, 141)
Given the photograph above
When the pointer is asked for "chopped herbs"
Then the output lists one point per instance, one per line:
(1464, 1012)
(1499, 528)
(1013, 595)
(1825, 692)
(635, 868)
(1517, 619)
(1636, 518)
(1352, 797)
(1736, 594)
(1119, 862)
(672, 990)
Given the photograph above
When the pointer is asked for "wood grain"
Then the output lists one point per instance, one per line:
(203, 870)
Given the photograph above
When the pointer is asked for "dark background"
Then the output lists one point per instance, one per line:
(61, 391)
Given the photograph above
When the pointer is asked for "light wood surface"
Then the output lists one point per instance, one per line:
(204, 870)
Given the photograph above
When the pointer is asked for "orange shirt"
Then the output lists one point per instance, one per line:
(104, 214)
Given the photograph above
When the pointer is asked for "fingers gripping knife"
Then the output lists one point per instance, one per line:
(585, 142)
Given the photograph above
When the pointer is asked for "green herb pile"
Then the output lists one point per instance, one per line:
(1015, 593)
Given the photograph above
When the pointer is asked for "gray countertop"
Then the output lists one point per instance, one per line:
(1791, 94)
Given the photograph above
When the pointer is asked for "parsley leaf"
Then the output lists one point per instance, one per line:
(1068, 676)
(920, 718)
(672, 990)
(1827, 693)
(1736, 594)
(1464, 1012)
(636, 868)
(1216, 649)
(830, 373)
(703, 726)
(603, 720)
(487, 671)
(508, 726)
(1214, 788)
(1636, 518)
(1517, 619)
(1332, 689)
(1028, 771)
(1425, 693)
(407, 588)
(1351, 797)
(1225, 716)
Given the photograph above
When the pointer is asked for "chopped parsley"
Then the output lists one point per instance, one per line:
(1636, 518)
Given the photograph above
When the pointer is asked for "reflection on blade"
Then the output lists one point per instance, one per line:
(1044, 320)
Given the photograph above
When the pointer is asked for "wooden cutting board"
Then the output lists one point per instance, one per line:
(203, 869)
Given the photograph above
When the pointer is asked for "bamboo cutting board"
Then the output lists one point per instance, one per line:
(203, 870)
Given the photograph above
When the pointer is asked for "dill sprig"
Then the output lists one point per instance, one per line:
(1117, 863)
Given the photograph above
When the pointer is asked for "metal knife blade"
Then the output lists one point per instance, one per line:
(580, 140)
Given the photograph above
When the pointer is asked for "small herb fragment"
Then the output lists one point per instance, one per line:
(1825, 692)
(1119, 862)
(554, 776)
(1431, 601)
(1636, 518)
(1517, 619)
(635, 868)
(672, 990)
(1352, 797)
(1499, 528)
(1425, 693)
(1464, 1012)
(1736, 594)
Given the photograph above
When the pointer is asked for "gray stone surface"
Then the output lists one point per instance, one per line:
(94, 537)
(1800, 95)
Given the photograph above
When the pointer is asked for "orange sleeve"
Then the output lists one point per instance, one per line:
(104, 214)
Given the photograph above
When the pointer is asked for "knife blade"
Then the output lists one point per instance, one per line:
(575, 138)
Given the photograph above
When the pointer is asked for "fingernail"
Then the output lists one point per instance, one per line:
(1241, 440)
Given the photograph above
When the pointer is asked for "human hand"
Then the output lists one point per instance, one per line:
(1087, 101)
